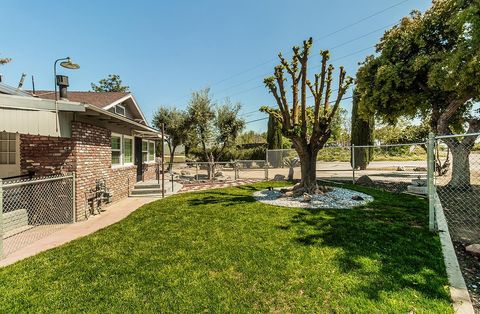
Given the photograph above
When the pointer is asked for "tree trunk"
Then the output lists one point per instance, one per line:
(460, 166)
(308, 164)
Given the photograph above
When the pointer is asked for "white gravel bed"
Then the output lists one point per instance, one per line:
(337, 198)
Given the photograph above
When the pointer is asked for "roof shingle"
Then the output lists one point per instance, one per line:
(98, 99)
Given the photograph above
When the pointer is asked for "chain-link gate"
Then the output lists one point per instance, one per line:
(33, 209)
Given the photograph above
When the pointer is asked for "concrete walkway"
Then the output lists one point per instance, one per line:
(114, 213)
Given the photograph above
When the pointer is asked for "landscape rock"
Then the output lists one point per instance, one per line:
(357, 198)
(289, 194)
(279, 177)
(364, 180)
(307, 197)
(218, 174)
(473, 249)
(400, 168)
(185, 173)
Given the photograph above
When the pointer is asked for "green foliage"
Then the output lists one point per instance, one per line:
(214, 127)
(361, 134)
(251, 137)
(176, 127)
(419, 66)
(274, 133)
(112, 83)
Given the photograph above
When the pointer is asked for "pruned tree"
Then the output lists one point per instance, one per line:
(361, 135)
(428, 66)
(215, 127)
(112, 83)
(309, 128)
(175, 122)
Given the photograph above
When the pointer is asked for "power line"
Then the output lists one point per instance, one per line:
(261, 119)
(321, 37)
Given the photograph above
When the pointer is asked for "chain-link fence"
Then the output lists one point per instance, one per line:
(392, 167)
(457, 181)
(33, 209)
(193, 172)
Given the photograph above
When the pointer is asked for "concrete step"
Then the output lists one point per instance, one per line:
(147, 186)
(146, 191)
(151, 195)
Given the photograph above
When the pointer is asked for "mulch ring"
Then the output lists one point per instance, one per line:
(191, 187)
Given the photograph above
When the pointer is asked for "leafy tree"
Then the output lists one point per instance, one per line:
(308, 129)
(215, 127)
(176, 127)
(428, 66)
(112, 83)
(274, 133)
(361, 135)
(251, 137)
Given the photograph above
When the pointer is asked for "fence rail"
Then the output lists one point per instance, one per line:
(34, 208)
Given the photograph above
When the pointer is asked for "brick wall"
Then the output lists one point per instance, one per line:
(88, 153)
(46, 155)
(94, 162)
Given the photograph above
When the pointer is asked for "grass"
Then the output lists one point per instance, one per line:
(220, 251)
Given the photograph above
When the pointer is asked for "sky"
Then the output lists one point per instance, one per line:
(165, 50)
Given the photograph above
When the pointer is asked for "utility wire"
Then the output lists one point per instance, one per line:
(321, 37)
(261, 119)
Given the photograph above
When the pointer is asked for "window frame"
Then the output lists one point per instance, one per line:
(123, 150)
(150, 159)
(9, 151)
(116, 150)
(124, 114)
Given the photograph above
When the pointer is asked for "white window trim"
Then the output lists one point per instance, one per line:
(122, 152)
(124, 110)
(116, 150)
(149, 160)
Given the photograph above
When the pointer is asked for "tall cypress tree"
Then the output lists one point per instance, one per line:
(274, 134)
(362, 134)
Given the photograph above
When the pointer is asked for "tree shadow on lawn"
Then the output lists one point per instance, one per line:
(220, 198)
(390, 232)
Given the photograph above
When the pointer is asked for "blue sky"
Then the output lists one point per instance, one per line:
(164, 50)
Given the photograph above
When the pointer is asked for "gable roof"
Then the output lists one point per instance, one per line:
(98, 99)
(103, 100)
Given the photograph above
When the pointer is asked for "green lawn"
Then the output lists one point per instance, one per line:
(220, 251)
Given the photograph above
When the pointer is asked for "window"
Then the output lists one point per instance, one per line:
(116, 150)
(151, 151)
(8, 148)
(144, 151)
(127, 150)
(122, 150)
(120, 110)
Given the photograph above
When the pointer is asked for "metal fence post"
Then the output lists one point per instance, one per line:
(353, 163)
(430, 181)
(1, 219)
(74, 198)
(266, 165)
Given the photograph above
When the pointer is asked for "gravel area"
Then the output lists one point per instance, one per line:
(337, 198)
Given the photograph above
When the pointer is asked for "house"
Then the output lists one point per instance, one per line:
(99, 136)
